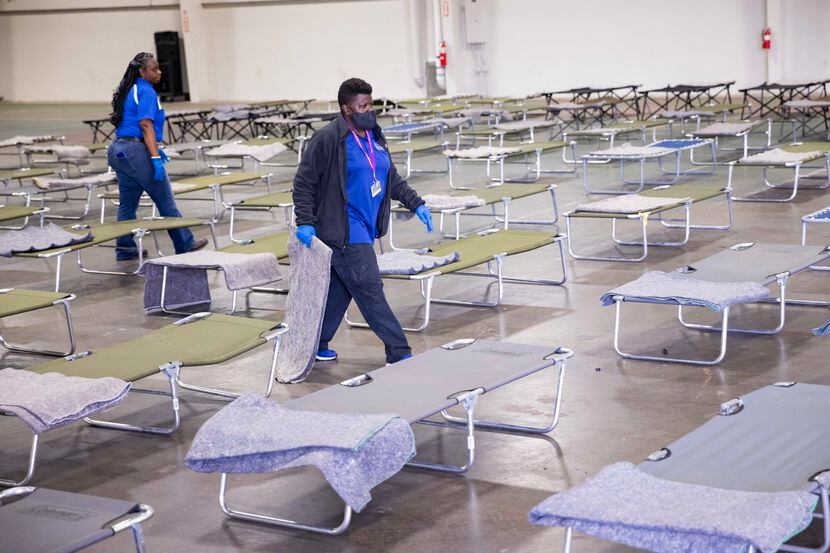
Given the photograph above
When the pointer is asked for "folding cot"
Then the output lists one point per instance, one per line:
(405, 131)
(197, 147)
(742, 130)
(522, 130)
(642, 207)
(654, 152)
(14, 212)
(44, 187)
(627, 95)
(16, 301)
(584, 113)
(819, 216)
(711, 110)
(485, 197)
(21, 142)
(258, 149)
(490, 247)
(618, 130)
(286, 127)
(735, 276)
(793, 157)
(805, 110)
(748, 480)
(101, 127)
(198, 340)
(684, 96)
(769, 98)
(19, 175)
(66, 155)
(281, 199)
(429, 388)
(214, 183)
(75, 521)
(181, 118)
(408, 114)
(407, 149)
(107, 232)
(499, 155)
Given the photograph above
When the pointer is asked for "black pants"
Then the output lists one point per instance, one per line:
(355, 275)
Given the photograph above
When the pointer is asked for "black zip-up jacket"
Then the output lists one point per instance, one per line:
(320, 186)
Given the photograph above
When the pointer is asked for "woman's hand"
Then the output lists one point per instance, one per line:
(158, 163)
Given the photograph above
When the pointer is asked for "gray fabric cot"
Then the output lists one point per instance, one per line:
(40, 520)
(731, 277)
(747, 480)
(430, 383)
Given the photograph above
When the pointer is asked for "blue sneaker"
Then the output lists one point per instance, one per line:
(326, 355)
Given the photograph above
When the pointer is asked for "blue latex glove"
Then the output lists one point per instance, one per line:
(305, 233)
(425, 216)
(164, 157)
(159, 166)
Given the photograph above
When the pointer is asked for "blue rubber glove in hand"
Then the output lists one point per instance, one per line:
(159, 166)
(163, 155)
(425, 216)
(305, 233)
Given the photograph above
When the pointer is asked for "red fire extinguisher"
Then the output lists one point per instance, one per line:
(766, 36)
(442, 54)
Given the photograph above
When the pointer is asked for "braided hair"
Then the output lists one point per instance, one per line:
(127, 81)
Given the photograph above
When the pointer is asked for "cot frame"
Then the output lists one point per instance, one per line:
(534, 170)
(131, 522)
(468, 400)
(67, 312)
(742, 135)
(797, 176)
(39, 212)
(495, 270)
(641, 159)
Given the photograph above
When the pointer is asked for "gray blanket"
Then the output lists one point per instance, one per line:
(354, 452)
(412, 262)
(304, 308)
(47, 183)
(777, 156)
(33, 239)
(684, 290)
(51, 400)
(725, 129)
(628, 506)
(481, 152)
(634, 151)
(61, 151)
(628, 204)
(22, 139)
(445, 201)
(187, 276)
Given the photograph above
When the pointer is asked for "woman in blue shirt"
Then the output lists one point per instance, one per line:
(136, 157)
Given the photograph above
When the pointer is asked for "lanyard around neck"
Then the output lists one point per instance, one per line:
(370, 156)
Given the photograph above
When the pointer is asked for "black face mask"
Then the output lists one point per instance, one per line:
(365, 121)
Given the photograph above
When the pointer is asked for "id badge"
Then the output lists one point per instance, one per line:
(376, 188)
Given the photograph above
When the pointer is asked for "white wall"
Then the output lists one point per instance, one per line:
(77, 57)
(599, 42)
(307, 50)
(302, 49)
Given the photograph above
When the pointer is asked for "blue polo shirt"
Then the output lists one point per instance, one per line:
(142, 103)
(361, 208)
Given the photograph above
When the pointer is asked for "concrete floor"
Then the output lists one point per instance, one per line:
(613, 409)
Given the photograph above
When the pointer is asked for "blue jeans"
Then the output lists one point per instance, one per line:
(131, 162)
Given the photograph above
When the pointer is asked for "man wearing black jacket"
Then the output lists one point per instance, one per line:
(343, 191)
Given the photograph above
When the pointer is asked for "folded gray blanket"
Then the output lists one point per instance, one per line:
(628, 204)
(778, 156)
(262, 152)
(680, 113)
(33, 239)
(22, 139)
(46, 183)
(481, 152)
(187, 276)
(412, 262)
(445, 201)
(626, 505)
(61, 151)
(721, 128)
(354, 452)
(51, 400)
(685, 290)
(304, 308)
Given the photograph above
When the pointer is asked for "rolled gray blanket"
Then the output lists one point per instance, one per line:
(51, 400)
(412, 262)
(259, 153)
(354, 452)
(685, 290)
(33, 239)
(626, 505)
(304, 308)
